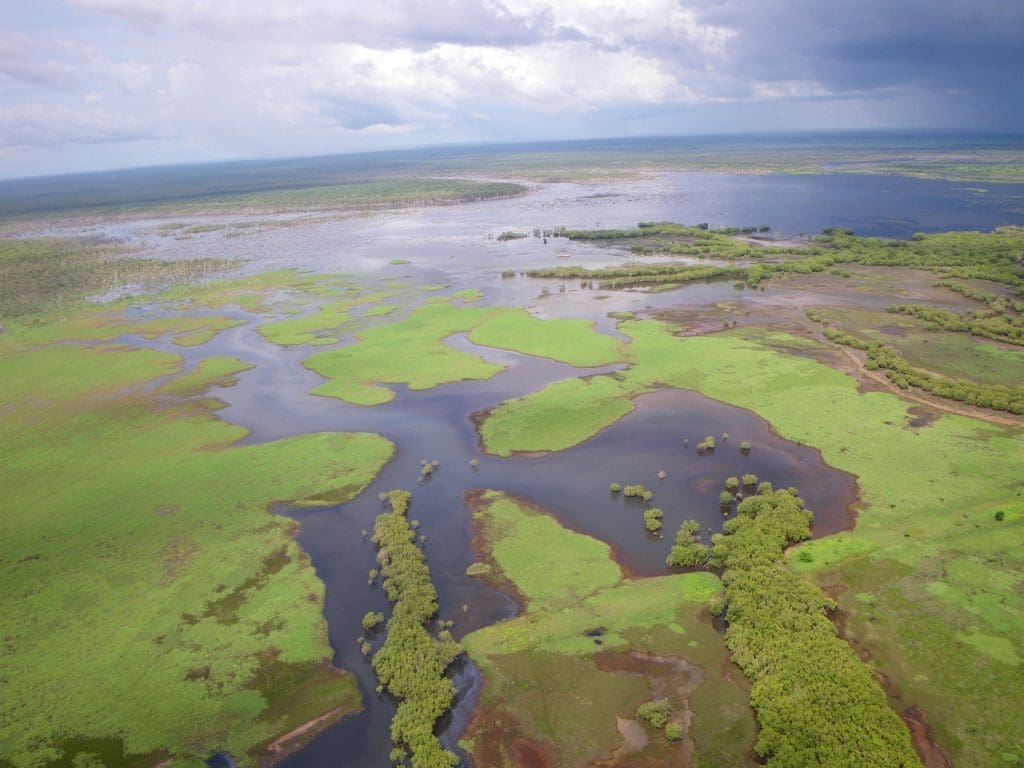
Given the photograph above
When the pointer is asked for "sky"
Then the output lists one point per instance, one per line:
(97, 84)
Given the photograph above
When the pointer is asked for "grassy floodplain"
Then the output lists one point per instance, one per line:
(565, 678)
(411, 351)
(927, 581)
(147, 563)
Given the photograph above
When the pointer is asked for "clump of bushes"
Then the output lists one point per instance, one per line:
(687, 552)
(655, 713)
(706, 445)
(673, 731)
(411, 664)
(637, 492)
(725, 499)
(614, 487)
(478, 569)
(372, 620)
(652, 519)
(511, 235)
(833, 712)
(732, 483)
(744, 447)
(749, 480)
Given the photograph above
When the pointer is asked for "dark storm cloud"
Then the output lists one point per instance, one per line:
(876, 44)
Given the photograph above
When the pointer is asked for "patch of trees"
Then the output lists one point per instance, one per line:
(637, 492)
(706, 445)
(687, 551)
(652, 519)
(904, 375)
(817, 703)
(990, 324)
(510, 235)
(411, 664)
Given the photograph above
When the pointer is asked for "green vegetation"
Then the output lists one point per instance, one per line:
(652, 519)
(940, 484)
(510, 235)
(372, 620)
(569, 341)
(990, 256)
(1008, 329)
(411, 664)
(687, 551)
(655, 713)
(56, 274)
(190, 617)
(411, 351)
(552, 674)
(904, 375)
(317, 328)
(816, 702)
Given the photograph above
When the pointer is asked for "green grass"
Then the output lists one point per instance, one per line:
(571, 341)
(930, 495)
(541, 666)
(411, 351)
(155, 602)
(468, 294)
(319, 328)
(561, 415)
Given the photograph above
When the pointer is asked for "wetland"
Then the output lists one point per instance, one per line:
(202, 444)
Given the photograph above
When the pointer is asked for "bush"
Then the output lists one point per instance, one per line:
(764, 487)
(654, 713)
(1000, 516)
(372, 620)
(725, 499)
(732, 483)
(652, 519)
(744, 447)
(614, 487)
(478, 569)
(749, 480)
(673, 731)
(687, 552)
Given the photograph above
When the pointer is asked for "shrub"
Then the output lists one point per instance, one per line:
(654, 713)
(614, 487)
(478, 569)
(652, 519)
(725, 499)
(732, 483)
(749, 480)
(673, 731)
(1000, 516)
(372, 620)
(687, 552)
(744, 447)
(764, 487)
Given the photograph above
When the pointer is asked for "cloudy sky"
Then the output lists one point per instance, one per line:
(94, 84)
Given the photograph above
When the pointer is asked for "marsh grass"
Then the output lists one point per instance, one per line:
(47, 274)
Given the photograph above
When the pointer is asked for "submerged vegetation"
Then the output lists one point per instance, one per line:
(411, 664)
(46, 275)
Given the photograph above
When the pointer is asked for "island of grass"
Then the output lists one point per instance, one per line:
(412, 351)
(926, 537)
(172, 616)
(563, 680)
